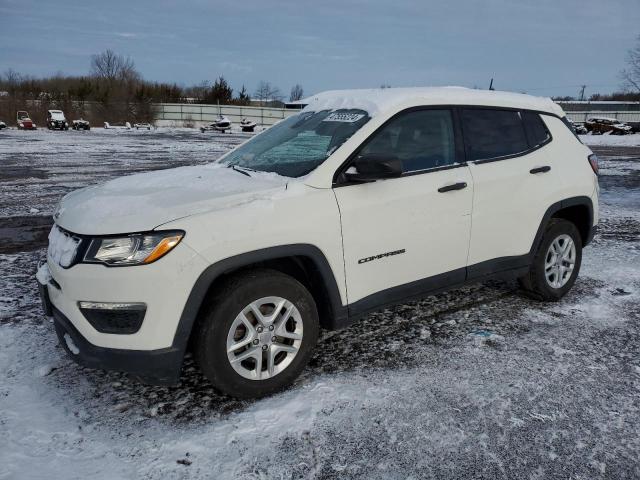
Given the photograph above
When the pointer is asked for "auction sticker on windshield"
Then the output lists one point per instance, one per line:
(343, 117)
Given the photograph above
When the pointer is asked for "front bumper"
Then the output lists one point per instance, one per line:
(155, 352)
(155, 367)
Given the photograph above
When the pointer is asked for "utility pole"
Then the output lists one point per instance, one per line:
(582, 92)
(491, 85)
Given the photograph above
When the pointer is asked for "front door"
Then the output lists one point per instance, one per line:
(407, 234)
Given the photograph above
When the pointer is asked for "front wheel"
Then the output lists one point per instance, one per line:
(257, 334)
(556, 263)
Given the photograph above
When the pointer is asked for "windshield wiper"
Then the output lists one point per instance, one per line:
(236, 169)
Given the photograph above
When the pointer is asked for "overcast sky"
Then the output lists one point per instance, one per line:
(543, 47)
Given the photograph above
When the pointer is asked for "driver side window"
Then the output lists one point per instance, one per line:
(421, 139)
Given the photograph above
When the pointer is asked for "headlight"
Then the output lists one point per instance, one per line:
(136, 249)
(22, 124)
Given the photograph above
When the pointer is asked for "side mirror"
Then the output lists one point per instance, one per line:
(372, 167)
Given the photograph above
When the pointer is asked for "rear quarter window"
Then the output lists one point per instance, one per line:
(536, 130)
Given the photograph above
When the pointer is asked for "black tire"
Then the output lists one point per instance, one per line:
(534, 283)
(218, 315)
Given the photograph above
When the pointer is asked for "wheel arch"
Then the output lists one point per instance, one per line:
(578, 210)
(305, 262)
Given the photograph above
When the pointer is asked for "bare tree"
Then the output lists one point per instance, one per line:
(297, 93)
(631, 75)
(267, 93)
(110, 66)
(11, 77)
(196, 93)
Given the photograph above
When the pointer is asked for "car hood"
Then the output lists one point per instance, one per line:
(144, 201)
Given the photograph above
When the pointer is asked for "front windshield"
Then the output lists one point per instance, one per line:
(297, 145)
(22, 115)
(57, 115)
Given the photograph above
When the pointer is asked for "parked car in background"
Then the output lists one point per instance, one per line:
(143, 125)
(80, 125)
(23, 121)
(363, 199)
(3, 125)
(600, 125)
(56, 120)
(579, 128)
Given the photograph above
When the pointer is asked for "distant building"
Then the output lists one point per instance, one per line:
(297, 105)
(256, 102)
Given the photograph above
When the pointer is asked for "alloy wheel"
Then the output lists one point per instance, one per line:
(560, 261)
(264, 338)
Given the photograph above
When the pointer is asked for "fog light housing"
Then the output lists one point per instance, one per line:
(115, 318)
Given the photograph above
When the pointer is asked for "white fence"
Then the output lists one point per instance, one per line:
(580, 117)
(180, 114)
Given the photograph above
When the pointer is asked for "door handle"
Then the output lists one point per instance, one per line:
(453, 186)
(544, 169)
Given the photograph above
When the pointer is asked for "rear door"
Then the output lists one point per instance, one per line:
(514, 180)
(407, 234)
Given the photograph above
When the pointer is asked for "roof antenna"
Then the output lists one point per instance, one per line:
(491, 85)
(582, 87)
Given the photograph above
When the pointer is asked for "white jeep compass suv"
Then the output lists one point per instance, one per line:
(364, 198)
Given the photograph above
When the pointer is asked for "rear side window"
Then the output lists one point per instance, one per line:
(536, 130)
(493, 133)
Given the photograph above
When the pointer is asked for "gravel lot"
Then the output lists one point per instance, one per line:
(479, 382)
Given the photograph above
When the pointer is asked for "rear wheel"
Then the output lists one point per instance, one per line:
(556, 263)
(257, 334)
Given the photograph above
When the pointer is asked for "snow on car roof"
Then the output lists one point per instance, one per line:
(378, 100)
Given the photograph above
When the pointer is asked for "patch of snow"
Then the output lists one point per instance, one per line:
(378, 100)
(486, 338)
(631, 140)
(43, 274)
(391, 397)
(62, 247)
(162, 195)
(45, 370)
(71, 344)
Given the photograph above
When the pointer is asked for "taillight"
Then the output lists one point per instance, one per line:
(593, 161)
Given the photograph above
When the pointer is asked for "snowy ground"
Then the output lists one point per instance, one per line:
(476, 383)
(612, 140)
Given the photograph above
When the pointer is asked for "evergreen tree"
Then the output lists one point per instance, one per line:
(243, 97)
